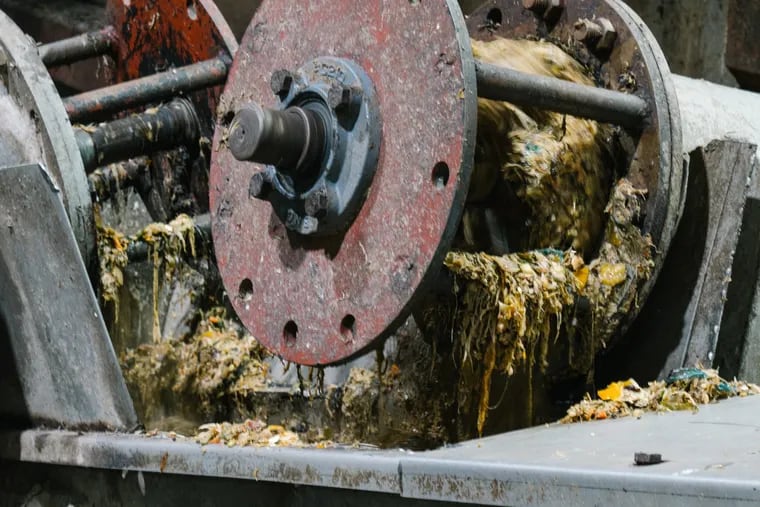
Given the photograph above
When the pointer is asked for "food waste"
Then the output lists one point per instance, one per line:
(536, 294)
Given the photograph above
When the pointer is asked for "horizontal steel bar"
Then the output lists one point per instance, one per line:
(171, 125)
(607, 106)
(77, 48)
(138, 251)
(146, 90)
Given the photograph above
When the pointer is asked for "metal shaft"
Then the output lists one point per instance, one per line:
(77, 48)
(607, 106)
(168, 126)
(105, 182)
(138, 251)
(292, 140)
(146, 90)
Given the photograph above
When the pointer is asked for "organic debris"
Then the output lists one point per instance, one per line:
(254, 433)
(166, 243)
(684, 389)
(514, 305)
(514, 309)
(218, 363)
(112, 259)
(560, 167)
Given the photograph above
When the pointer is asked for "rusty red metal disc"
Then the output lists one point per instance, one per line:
(323, 300)
(157, 35)
(153, 36)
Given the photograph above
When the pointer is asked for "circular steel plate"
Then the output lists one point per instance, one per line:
(656, 161)
(323, 300)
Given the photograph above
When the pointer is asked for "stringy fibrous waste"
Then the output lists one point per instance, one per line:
(583, 238)
(167, 244)
(683, 389)
(218, 363)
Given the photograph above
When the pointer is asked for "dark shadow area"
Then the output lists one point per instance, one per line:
(21, 484)
(733, 327)
(658, 329)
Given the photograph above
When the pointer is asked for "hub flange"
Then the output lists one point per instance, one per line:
(320, 299)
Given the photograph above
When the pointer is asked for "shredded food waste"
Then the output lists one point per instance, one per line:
(683, 389)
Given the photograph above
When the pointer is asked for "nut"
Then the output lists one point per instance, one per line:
(281, 82)
(317, 202)
(598, 35)
(551, 9)
(303, 225)
(340, 96)
(259, 186)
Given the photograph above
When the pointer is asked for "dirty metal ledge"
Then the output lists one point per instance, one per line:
(711, 458)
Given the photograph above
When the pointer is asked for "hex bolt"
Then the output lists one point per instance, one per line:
(317, 201)
(309, 225)
(551, 9)
(303, 225)
(259, 186)
(281, 82)
(341, 97)
(598, 35)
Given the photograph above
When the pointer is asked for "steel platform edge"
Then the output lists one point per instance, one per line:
(711, 457)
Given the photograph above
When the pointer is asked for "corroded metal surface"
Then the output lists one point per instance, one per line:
(322, 300)
(32, 92)
(160, 35)
(635, 64)
(57, 364)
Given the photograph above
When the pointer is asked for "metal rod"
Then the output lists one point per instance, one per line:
(138, 251)
(77, 48)
(607, 106)
(166, 127)
(142, 91)
(105, 182)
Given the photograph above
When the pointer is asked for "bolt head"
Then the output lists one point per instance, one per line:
(609, 35)
(340, 96)
(317, 202)
(305, 225)
(281, 82)
(259, 186)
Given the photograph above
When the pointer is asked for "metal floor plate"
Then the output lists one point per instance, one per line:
(711, 458)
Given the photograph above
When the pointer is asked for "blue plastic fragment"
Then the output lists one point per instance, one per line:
(685, 374)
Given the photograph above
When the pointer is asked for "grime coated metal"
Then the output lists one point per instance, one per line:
(166, 127)
(634, 64)
(146, 90)
(500, 83)
(79, 47)
(29, 85)
(57, 364)
(321, 188)
(710, 458)
(321, 300)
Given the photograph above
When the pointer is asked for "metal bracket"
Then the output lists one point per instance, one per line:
(57, 364)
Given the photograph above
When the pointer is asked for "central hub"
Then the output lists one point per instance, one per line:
(320, 146)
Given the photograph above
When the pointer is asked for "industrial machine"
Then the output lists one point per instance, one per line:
(329, 160)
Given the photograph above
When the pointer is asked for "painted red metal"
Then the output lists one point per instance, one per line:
(156, 35)
(320, 301)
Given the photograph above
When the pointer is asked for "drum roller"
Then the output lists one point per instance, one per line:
(345, 145)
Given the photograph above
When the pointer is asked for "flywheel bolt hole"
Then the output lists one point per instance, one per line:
(494, 17)
(348, 327)
(245, 290)
(440, 175)
(290, 332)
